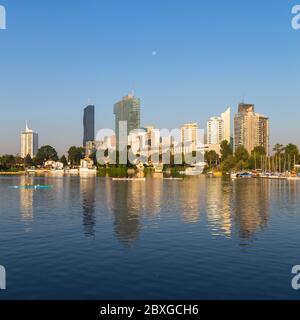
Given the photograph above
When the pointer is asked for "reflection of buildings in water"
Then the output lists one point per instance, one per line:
(127, 202)
(108, 192)
(88, 202)
(157, 175)
(26, 198)
(251, 205)
(60, 186)
(153, 197)
(218, 207)
(191, 192)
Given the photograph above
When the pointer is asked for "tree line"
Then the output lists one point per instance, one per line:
(45, 153)
(284, 158)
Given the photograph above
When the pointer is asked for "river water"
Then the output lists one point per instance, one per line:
(199, 238)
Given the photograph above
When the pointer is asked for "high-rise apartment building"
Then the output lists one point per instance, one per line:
(127, 110)
(250, 129)
(29, 143)
(218, 129)
(215, 130)
(263, 132)
(226, 117)
(189, 137)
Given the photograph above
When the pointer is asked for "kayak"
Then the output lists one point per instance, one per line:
(31, 187)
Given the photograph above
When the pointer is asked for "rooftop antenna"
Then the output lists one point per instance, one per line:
(133, 91)
(27, 129)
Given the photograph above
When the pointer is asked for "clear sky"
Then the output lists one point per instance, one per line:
(56, 55)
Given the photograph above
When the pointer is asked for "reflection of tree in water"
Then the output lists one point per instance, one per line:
(127, 205)
(251, 206)
(88, 193)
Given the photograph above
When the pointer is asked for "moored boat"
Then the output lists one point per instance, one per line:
(195, 170)
(129, 179)
(233, 176)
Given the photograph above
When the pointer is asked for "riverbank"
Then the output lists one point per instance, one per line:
(4, 173)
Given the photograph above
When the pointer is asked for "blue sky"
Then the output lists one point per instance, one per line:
(56, 55)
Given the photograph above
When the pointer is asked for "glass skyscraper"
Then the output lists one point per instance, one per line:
(129, 110)
(88, 125)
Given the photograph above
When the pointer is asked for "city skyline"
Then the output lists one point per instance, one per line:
(255, 129)
(223, 62)
(149, 151)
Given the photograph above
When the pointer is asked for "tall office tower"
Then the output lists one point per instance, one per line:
(88, 126)
(29, 143)
(226, 124)
(189, 137)
(215, 130)
(250, 129)
(129, 110)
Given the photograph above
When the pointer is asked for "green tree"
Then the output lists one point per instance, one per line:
(254, 163)
(258, 155)
(278, 148)
(259, 151)
(7, 162)
(228, 164)
(211, 157)
(291, 150)
(63, 160)
(28, 162)
(241, 165)
(226, 150)
(44, 154)
(75, 154)
(241, 154)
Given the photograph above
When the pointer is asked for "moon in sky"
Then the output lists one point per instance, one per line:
(154, 53)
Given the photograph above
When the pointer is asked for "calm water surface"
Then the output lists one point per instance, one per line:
(200, 238)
